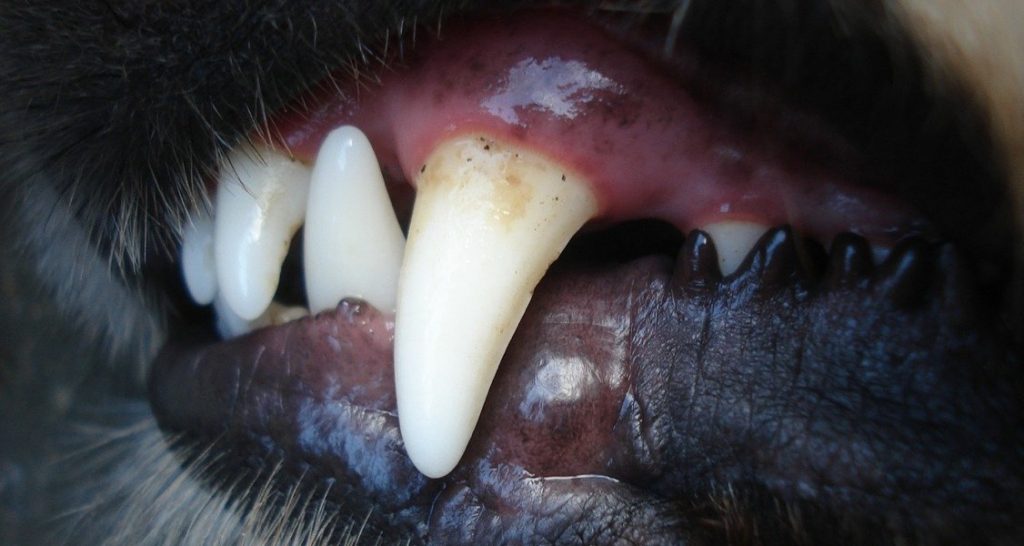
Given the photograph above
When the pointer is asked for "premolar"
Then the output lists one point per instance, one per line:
(488, 221)
(353, 244)
(733, 241)
(261, 201)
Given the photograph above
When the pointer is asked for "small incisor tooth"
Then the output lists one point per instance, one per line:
(488, 221)
(352, 241)
(261, 202)
(197, 263)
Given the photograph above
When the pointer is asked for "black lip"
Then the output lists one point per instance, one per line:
(856, 71)
(808, 377)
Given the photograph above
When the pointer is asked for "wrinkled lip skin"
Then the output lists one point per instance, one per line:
(633, 391)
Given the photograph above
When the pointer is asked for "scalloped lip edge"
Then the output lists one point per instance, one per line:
(339, 420)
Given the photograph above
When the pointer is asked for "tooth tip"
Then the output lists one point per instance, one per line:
(437, 418)
(433, 450)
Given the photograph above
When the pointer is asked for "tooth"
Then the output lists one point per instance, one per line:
(197, 263)
(352, 241)
(261, 199)
(278, 314)
(733, 241)
(488, 221)
(231, 325)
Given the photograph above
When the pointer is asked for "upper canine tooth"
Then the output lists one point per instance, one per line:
(261, 201)
(733, 241)
(352, 241)
(488, 221)
(197, 264)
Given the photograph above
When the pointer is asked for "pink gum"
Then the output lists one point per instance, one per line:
(560, 86)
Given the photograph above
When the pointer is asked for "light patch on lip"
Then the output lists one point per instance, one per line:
(562, 380)
(555, 85)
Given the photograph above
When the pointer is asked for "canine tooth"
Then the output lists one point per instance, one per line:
(261, 200)
(733, 241)
(197, 264)
(352, 241)
(488, 221)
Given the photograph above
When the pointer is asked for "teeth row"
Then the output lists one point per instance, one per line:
(489, 219)
(353, 243)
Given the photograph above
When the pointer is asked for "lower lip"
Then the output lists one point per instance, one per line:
(560, 86)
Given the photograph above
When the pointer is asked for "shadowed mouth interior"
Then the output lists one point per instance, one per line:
(756, 300)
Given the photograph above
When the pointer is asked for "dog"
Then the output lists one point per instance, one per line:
(116, 114)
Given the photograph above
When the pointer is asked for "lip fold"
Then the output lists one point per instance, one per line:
(626, 392)
(319, 392)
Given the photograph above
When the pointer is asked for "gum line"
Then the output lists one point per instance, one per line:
(564, 88)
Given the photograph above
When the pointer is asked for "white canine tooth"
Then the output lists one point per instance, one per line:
(733, 241)
(488, 221)
(261, 200)
(352, 241)
(197, 264)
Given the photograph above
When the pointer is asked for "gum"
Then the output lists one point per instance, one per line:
(564, 88)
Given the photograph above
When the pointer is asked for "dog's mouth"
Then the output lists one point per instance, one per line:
(743, 297)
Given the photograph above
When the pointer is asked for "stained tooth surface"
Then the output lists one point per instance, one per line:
(197, 263)
(733, 241)
(488, 221)
(353, 244)
(261, 201)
